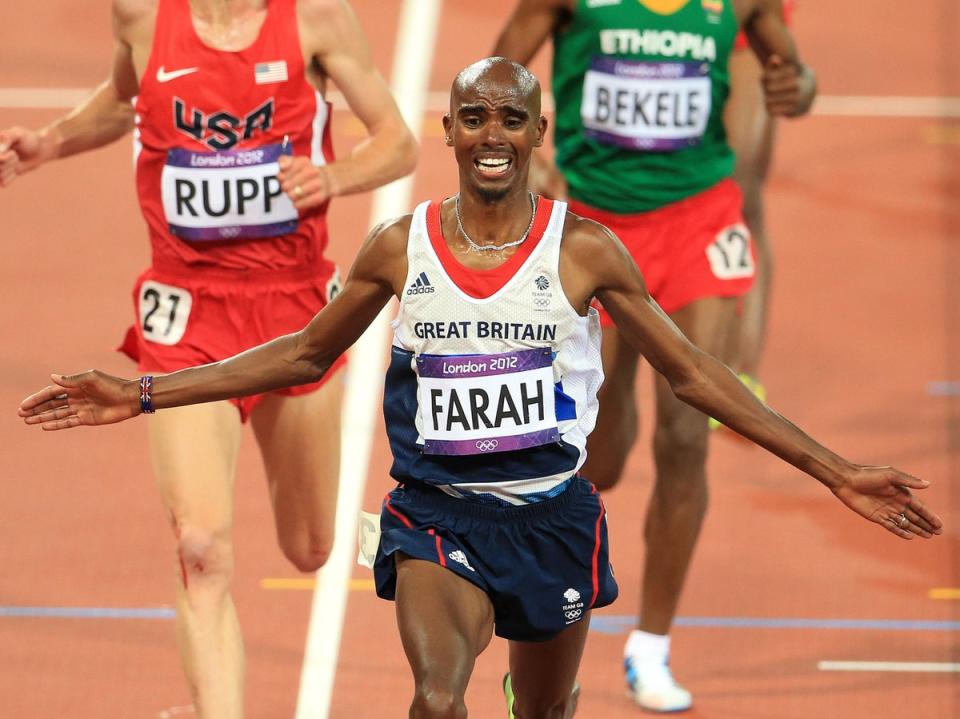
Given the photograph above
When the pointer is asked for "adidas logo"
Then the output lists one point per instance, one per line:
(421, 286)
(460, 557)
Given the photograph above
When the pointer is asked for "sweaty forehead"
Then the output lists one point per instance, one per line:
(493, 98)
(494, 86)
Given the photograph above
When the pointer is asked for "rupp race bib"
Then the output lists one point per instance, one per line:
(226, 195)
(477, 404)
(658, 106)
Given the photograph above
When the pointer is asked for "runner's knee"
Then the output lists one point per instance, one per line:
(206, 560)
(606, 472)
(681, 438)
(307, 554)
(437, 702)
(609, 445)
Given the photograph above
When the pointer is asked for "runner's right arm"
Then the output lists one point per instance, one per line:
(94, 398)
(105, 116)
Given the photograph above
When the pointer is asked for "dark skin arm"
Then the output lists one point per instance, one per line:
(595, 263)
(789, 86)
(527, 29)
(93, 397)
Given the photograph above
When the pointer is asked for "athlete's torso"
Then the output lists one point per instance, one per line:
(639, 94)
(211, 125)
(492, 385)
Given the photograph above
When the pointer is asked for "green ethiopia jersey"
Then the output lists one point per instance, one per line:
(639, 100)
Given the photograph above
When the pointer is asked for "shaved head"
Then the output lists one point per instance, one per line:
(493, 125)
(493, 76)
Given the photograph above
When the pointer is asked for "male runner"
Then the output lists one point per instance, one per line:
(750, 131)
(489, 397)
(639, 88)
(234, 173)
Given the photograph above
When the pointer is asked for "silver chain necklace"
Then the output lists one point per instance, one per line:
(484, 248)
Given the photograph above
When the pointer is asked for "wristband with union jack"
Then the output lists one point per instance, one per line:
(146, 398)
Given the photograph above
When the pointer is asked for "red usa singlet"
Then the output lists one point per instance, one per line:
(211, 125)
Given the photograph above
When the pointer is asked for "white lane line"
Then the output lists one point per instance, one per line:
(941, 667)
(42, 98)
(886, 106)
(411, 71)
(937, 107)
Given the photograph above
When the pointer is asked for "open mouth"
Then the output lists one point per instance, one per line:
(493, 166)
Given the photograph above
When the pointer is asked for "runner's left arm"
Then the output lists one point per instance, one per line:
(94, 398)
(878, 493)
(338, 45)
(789, 86)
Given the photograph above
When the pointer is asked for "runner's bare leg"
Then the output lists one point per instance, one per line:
(679, 501)
(750, 131)
(544, 673)
(609, 445)
(299, 440)
(194, 451)
(445, 622)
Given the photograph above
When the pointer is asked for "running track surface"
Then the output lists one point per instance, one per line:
(862, 212)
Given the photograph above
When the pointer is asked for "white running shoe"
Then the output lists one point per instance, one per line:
(653, 687)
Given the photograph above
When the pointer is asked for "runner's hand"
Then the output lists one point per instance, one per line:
(306, 184)
(788, 88)
(882, 494)
(88, 398)
(21, 150)
(546, 179)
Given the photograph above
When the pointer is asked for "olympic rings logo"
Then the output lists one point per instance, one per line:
(487, 445)
(573, 614)
(230, 232)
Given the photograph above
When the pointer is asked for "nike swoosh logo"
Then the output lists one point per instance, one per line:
(163, 76)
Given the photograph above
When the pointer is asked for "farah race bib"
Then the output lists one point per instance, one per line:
(652, 106)
(478, 404)
(226, 195)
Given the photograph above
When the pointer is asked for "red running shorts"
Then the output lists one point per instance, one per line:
(688, 250)
(197, 318)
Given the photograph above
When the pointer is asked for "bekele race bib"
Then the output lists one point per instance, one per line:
(477, 404)
(226, 195)
(641, 105)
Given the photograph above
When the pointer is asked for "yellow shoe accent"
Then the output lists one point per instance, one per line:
(508, 694)
(752, 384)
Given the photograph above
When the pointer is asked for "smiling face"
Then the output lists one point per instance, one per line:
(493, 125)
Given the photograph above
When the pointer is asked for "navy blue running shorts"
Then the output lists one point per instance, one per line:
(543, 565)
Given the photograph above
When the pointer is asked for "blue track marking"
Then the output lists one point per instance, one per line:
(620, 624)
(943, 389)
(603, 623)
(88, 613)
